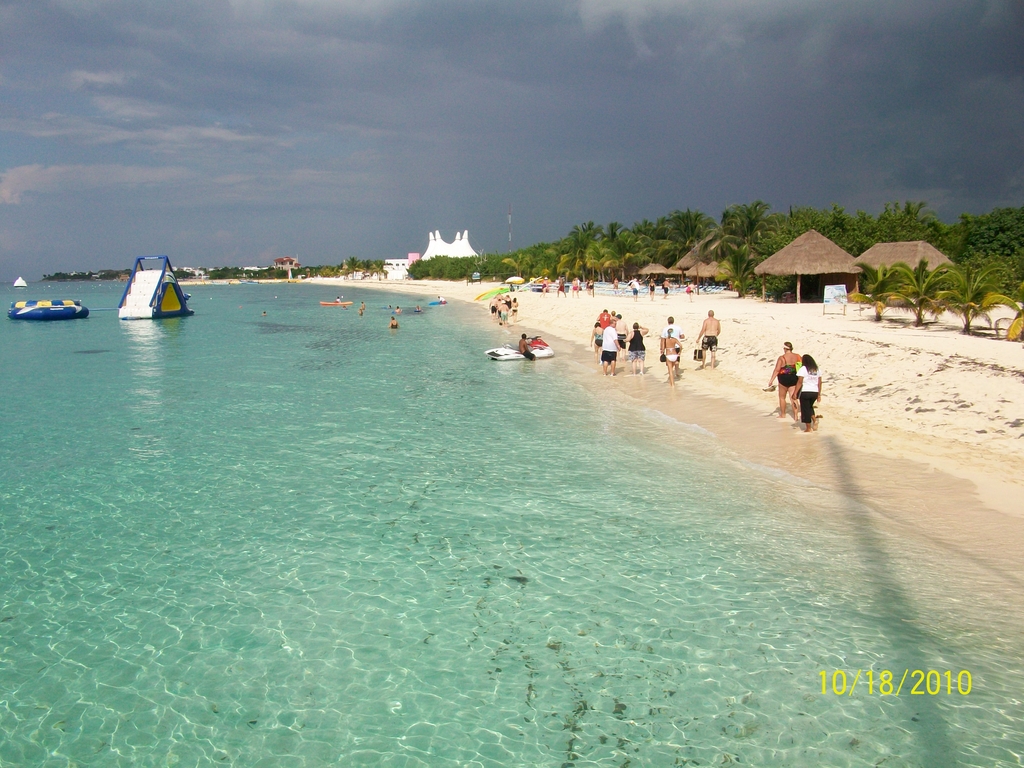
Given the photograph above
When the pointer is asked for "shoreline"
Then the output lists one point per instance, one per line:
(956, 440)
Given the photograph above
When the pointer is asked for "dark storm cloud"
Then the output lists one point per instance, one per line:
(225, 130)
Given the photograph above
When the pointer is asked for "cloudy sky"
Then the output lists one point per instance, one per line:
(235, 131)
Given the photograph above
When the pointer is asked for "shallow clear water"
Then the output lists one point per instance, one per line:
(301, 539)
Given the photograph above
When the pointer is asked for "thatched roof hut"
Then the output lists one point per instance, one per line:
(810, 254)
(688, 260)
(658, 269)
(910, 253)
(702, 270)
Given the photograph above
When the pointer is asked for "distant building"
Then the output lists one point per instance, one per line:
(438, 247)
(396, 269)
(287, 262)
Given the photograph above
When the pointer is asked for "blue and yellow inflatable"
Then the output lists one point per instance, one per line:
(46, 309)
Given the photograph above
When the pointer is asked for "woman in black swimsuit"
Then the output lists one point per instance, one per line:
(637, 350)
(785, 373)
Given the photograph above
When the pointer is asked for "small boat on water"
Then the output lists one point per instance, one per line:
(335, 303)
(20, 283)
(538, 346)
(46, 309)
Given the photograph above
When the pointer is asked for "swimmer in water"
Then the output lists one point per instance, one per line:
(393, 323)
(362, 308)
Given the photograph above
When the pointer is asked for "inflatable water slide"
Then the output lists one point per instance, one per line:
(153, 292)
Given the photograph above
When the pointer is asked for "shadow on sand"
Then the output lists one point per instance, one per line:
(896, 616)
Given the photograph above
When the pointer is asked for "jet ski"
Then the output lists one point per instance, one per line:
(538, 346)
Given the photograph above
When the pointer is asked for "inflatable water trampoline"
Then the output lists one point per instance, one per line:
(47, 310)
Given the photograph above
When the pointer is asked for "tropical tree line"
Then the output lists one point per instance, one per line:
(967, 290)
(742, 237)
(368, 268)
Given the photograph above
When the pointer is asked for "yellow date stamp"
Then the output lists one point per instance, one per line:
(921, 682)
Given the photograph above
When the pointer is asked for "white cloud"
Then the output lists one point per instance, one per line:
(93, 132)
(80, 78)
(16, 182)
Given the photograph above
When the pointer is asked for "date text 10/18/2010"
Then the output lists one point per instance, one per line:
(931, 682)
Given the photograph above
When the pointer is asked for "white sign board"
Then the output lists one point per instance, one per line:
(835, 294)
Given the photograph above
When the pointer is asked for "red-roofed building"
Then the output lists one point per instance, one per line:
(287, 262)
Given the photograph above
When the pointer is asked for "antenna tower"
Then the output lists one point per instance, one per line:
(510, 227)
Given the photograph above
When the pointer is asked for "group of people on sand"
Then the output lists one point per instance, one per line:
(672, 338)
(799, 380)
(613, 340)
(504, 309)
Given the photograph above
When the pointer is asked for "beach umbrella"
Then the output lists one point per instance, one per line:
(516, 280)
(492, 292)
(653, 269)
(701, 269)
(689, 260)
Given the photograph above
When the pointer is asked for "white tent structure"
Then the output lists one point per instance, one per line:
(438, 247)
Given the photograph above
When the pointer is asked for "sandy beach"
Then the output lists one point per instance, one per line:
(924, 409)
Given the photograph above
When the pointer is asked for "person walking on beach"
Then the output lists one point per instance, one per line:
(561, 287)
(590, 287)
(622, 329)
(503, 312)
(809, 388)
(575, 287)
(515, 310)
(709, 332)
(689, 291)
(671, 331)
(597, 339)
(605, 319)
(609, 350)
(493, 303)
(651, 287)
(636, 289)
(785, 372)
(673, 350)
(637, 350)
(665, 286)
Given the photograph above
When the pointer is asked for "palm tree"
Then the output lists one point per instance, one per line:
(920, 289)
(1016, 329)
(520, 262)
(377, 267)
(574, 247)
(687, 228)
(353, 265)
(738, 266)
(749, 223)
(972, 292)
(878, 284)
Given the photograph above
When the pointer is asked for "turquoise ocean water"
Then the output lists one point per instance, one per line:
(301, 539)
